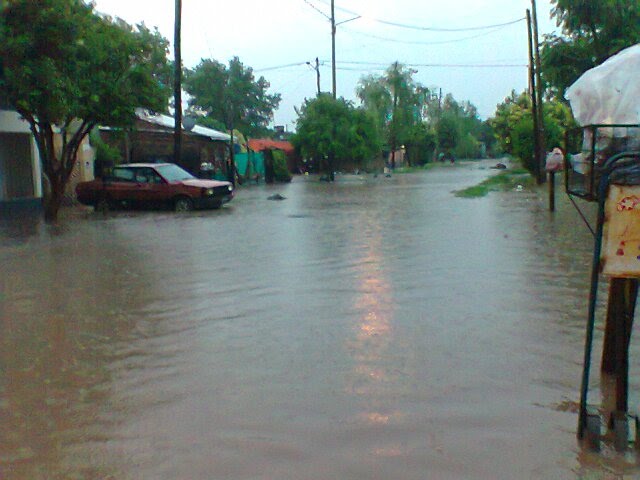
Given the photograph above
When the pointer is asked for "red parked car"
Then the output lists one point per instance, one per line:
(151, 185)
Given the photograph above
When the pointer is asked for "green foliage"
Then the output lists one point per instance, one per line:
(105, 154)
(329, 128)
(400, 106)
(62, 62)
(210, 122)
(420, 144)
(471, 131)
(508, 115)
(231, 95)
(523, 145)
(592, 32)
(280, 170)
(513, 125)
(65, 66)
(467, 147)
(393, 101)
(448, 133)
(523, 142)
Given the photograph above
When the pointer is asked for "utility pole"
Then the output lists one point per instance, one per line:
(534, 99)
(541, 145)
(177, 90)
(333, 47)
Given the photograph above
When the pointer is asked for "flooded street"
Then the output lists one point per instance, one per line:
(375, 328)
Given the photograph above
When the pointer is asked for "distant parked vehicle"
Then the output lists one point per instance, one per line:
(146, 185)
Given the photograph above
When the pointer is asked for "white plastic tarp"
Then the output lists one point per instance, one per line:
(610, 92)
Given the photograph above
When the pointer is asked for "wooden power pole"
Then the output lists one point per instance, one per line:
(333, 47)
(541, 145)
(534, 98)
(177, 86)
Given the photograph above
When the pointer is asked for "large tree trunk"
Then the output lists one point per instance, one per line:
(53, 201)
(57, 167)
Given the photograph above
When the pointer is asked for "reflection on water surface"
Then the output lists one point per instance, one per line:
(377, 329)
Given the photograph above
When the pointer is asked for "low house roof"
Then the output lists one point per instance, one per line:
(259, 144)
(168, 122)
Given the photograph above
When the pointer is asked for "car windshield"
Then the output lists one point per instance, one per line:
(173, 173)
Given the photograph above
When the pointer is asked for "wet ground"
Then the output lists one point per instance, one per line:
(375, 328)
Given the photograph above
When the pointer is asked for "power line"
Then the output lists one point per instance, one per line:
(434, 65)
(278, 67)
(430, 29)
(453, 65)
(382, 66)
(417, 42)
(317, 9)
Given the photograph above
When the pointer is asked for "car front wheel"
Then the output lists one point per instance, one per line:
(102, 205)
(183, 204)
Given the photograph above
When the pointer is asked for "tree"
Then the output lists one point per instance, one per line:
(231, 96)
(448, 133)
(468, 127)
(508, 114)
(334, 130)
(420, 144)
(592, 31)
(394, 101)
(66, 69)
(376, 99)
(513, 126)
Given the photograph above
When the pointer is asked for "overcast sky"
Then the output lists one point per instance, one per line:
(276, 38)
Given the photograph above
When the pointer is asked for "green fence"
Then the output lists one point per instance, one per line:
(249, 164)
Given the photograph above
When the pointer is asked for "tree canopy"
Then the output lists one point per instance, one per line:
(513, 126)
(394, 101)
(66, 69)
(592, 31)
(329, 129)
(231, 96)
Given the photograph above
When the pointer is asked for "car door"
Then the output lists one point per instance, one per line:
(120, 184)
(149, 188)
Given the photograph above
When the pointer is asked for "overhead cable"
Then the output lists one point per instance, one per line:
(278, 67)
(460, 65)
(317, 9)
(417, 27)
(417, 42)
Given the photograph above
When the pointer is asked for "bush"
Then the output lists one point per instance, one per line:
(280, 170)
(106, 156)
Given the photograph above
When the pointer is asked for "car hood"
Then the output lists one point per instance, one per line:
(201, 183)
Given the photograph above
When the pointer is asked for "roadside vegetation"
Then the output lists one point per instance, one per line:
(506, 180)
(395, 113)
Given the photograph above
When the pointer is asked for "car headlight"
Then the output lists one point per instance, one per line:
(208, 192)
(230, 187)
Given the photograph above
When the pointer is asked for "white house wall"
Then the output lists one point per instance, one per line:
(20, 172)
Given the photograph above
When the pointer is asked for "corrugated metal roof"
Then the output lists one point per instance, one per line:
(169, 122)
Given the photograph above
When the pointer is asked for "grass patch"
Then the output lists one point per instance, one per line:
(503, 181)
(421, 168)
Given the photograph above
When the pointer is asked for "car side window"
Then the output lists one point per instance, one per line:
(154, 177)
(123, 175)
(141, 176)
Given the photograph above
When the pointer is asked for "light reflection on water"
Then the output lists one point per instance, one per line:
(376, 328)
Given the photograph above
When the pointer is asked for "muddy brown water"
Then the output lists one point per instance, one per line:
(375, 328)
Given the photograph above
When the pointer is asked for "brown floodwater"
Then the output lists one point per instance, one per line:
(375, 328)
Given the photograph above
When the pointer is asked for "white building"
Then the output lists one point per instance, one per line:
(20, 173)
